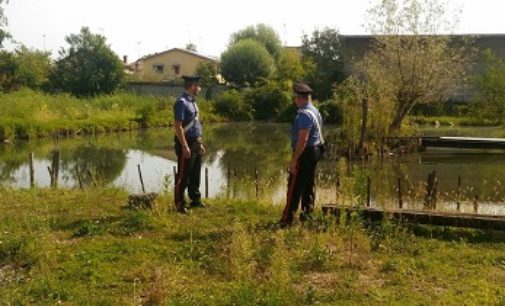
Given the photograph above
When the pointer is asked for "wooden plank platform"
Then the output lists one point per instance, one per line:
(424, 217)
(464, 142)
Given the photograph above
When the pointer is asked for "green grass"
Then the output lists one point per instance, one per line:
(28, 114)
(85, 248)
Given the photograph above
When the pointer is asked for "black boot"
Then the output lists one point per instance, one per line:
(182, 210)
(197, 204)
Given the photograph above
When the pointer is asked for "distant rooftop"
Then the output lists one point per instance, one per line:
(208, 57)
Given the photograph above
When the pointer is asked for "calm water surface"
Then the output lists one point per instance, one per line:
(237, 150)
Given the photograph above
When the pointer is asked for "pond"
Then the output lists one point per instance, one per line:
(238, 153)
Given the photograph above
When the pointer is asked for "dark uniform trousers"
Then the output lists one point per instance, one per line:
(188, 172)
(301, 184)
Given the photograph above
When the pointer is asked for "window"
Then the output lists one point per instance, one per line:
(176, 69)
(158, 68)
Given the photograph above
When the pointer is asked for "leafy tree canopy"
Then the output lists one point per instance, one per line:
(263, 34)
(3, 22)
(324, 50)
(246, 62)
(88, 66)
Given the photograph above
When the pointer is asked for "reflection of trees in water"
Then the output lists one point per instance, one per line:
(154, 139)
(479, 178)
(8, 167)
(105, 164)
(11, 160)
(248, 147)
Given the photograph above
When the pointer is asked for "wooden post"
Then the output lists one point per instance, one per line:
(458, 194)
(400, 199)
(78, 174)
(430, 199)
(234, 182)
(175, 175)
(91, 178)
(229, 175)
(207, 182)
(337, 190)
(368, 192)
(55, 168)
(476, 205)
(228, 182)
(32, 171)
(51, 176)
(141, 179)
(257, 182)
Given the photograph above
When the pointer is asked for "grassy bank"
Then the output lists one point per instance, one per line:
(27, 114)
(85, 248)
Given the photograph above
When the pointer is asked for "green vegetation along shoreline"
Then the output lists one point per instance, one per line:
(81, 247)
(30, 114)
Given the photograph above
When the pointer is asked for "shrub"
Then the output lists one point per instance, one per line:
(246, 61)
(331, 110)
(269, 100)
(232, 105)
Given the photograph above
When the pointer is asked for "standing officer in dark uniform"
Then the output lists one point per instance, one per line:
(188, 145)
(307, 143)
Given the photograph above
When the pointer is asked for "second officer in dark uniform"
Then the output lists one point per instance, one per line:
(307, 145)
(188, 145)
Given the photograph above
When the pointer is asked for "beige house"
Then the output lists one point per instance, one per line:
(170, 65)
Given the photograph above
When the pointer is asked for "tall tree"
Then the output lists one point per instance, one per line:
(245, 62)
(3, 22)
(9, 79)
(34, 67)
(490, 98)
(290, 66)
(410, 62)
(263, 34)
(324, 49)
(88, 67)
(208, 72)
(190, 47)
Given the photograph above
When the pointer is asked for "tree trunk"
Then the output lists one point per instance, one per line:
(403, 109)
(364, 118)
(394, 127)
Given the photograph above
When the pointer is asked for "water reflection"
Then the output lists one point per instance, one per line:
(248, 160)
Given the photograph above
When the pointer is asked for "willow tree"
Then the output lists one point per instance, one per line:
(412, 59)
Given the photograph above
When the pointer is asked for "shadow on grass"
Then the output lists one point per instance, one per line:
(468, 235)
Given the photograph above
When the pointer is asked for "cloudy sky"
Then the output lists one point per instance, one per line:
(137, 28)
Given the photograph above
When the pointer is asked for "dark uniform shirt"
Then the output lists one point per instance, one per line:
(306, 120)
(186, 110)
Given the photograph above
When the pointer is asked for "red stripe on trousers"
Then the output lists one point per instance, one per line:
(180, 175)
(291, 189)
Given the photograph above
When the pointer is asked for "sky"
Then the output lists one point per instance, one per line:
(138, 28)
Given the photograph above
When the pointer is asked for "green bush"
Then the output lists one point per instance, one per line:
(269, 100)
(145, 113)
(331, 110)
(232, 105)
(288, 114)
(490, 98)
